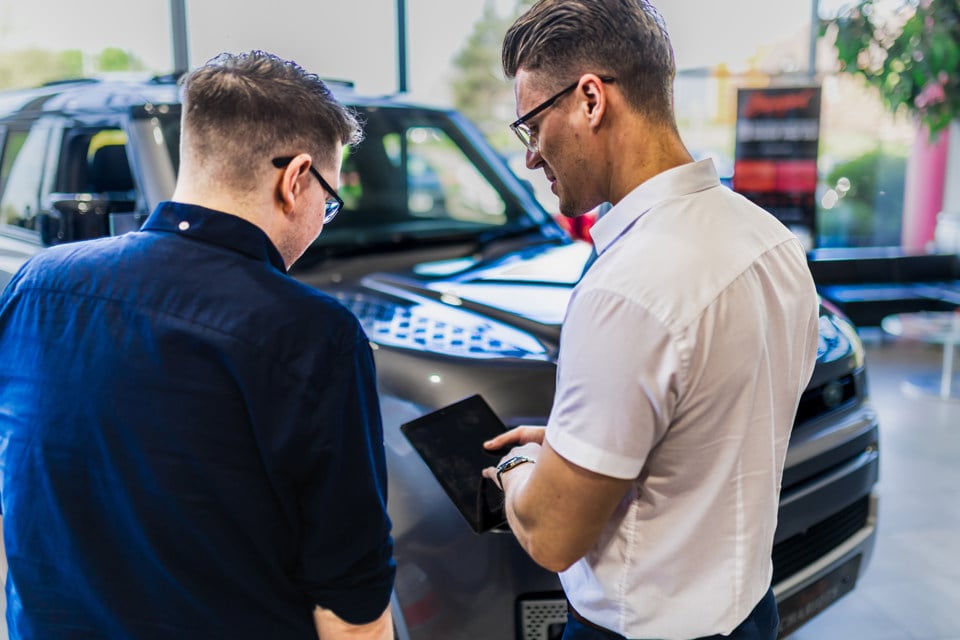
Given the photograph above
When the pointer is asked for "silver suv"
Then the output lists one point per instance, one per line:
(460, 280)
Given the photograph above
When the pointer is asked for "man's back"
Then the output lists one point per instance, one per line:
(174, 408)
(695, 333)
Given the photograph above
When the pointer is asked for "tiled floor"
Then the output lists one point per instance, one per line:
(911, 590)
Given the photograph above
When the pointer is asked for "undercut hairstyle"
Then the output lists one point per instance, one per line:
(561, 40)
(242, 110)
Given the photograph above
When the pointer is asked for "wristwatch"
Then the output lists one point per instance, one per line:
(508, 464)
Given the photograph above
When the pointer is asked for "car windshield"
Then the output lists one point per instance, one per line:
(417, 175)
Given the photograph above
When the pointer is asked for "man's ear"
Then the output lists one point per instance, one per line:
(593, 99)
(290, 185)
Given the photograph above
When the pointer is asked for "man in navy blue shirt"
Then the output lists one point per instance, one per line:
(190, 440)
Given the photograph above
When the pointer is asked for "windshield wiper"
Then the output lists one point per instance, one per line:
(386, 242)
(488, 238)
(380, 243)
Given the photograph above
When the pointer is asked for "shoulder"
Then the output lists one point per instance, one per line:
(308, 320)
(311, 301)
(684, 252)
(54, 263)
(616, 313)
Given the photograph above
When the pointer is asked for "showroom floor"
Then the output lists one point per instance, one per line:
(911, 590)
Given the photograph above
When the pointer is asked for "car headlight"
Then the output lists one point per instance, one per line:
(838, 339)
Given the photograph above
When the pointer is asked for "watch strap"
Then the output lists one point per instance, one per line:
(508, 464)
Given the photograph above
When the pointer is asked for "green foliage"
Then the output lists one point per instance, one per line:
(479, 89)
(867, 172)
(33, 67)
(870, 209)
(113, 59)
(911, 57)
(480, 84)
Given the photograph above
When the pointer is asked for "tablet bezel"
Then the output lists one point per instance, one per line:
(431, 436)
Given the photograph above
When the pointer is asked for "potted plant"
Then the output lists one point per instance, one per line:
(909, 51)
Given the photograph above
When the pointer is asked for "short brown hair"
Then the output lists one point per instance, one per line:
(239, 108)
(626, 39)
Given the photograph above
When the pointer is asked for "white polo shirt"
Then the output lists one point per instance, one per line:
(683, 355)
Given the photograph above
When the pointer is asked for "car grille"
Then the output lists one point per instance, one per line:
(542, 616)
(796, 552)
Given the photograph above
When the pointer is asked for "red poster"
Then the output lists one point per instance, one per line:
(778, 134)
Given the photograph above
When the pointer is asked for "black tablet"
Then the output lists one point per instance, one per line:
(450, 440)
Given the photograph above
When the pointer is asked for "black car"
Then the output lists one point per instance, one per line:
(461, 281)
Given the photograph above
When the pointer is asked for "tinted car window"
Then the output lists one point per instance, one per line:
(94, 160)
(414, 175)
(12, 143)
(22, 168)
(441, 180)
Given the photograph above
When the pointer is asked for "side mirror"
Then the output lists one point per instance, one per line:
(81, 216)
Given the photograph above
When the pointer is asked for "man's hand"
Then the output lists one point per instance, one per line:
(523, 441)
(556, 509)
(330, 626)
(516, 436)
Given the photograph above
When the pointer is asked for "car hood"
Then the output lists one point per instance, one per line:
(510, 307)
(468, 307)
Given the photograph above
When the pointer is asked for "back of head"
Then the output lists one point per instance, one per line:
(625, 39)
(239, 111)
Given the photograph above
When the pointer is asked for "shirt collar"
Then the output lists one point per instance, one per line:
(215, 227)
(678, 181)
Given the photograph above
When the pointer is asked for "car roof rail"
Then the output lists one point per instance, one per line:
(62, 81)
(339, 82)
(167, 78)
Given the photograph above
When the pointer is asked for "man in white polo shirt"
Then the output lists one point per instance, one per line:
(653, 490)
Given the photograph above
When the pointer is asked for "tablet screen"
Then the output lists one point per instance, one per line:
(450, 440)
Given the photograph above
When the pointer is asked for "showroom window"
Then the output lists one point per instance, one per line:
(861, 160)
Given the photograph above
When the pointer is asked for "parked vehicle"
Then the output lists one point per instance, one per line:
(463, 296)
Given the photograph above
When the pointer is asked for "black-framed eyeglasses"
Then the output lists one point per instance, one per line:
(520, 127)
(331, 207)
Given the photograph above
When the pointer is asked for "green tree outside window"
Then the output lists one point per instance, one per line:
(911, 54)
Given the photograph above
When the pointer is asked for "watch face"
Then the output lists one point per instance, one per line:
(508, 464)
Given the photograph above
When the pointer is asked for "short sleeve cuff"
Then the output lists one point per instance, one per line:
(586, 455)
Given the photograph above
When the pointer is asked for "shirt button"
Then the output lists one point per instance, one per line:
(183, 226)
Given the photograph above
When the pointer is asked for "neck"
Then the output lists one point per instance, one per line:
(204, 191)
(651, 150)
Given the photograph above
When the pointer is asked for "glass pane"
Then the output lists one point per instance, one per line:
(442, 181)
(84, 165)
(414, 176)
(861, 157)
(863, 162)
(23, 165)
(12, 145)
(43, 41)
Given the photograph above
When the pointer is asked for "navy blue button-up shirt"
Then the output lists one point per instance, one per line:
(190, 441)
